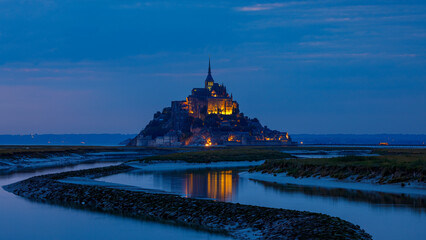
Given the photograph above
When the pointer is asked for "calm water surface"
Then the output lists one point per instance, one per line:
(24, 219)
(385, 216)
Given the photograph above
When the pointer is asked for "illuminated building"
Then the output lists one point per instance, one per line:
(207, 117)
(212, 99)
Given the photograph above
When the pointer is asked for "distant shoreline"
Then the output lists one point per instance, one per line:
(120, 139)
(25, 158)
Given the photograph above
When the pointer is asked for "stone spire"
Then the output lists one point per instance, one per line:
(208, 83)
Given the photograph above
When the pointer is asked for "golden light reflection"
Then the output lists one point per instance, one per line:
(220, 185)
(189, 184)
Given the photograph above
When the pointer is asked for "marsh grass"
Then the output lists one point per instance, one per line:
(41, 151)
(394, 165)
(15, 152)
(222, 154)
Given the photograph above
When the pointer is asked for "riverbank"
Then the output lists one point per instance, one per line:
(239, 221)
(402, 166)
(332, 183)
(29, 158)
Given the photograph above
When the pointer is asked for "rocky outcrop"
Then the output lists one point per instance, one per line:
(237, 220)
(173, 127)
(209, 116)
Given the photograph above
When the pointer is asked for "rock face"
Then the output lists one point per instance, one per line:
(239, 221)
(209, 116)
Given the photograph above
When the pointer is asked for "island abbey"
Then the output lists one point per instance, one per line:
(209, 116)
(212, 99)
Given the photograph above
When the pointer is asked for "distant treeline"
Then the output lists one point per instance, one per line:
(65, 139)
(364, 139)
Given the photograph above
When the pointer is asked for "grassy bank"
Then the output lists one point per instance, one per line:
(223, 154)
(18, 151)
(393, 166)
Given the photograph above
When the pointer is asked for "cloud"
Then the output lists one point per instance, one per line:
(202, 74)
(135, 5)
(314, 14)
(173, 74)
(346, 19)
(271, 6)
(17, 74)
(315, 43)
(20, 69)
(260, 7)
(291, 56)
(73, 70)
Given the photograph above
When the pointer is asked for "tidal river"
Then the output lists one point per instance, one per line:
(24, 219)
(384, 215)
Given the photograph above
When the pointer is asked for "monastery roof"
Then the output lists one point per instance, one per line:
(209, 75)
(200, 92)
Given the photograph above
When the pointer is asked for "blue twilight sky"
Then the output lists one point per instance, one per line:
(330, 66)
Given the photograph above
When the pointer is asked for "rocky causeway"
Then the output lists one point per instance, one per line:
(237, 220)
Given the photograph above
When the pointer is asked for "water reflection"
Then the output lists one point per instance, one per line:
(416, 202)
(22, 219)
(218, 185)
(224, 185)
(384, 215)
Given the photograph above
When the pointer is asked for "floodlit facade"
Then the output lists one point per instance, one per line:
(212, 99)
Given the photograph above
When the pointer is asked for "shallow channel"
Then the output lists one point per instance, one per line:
(384, 215)
(24, 219)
